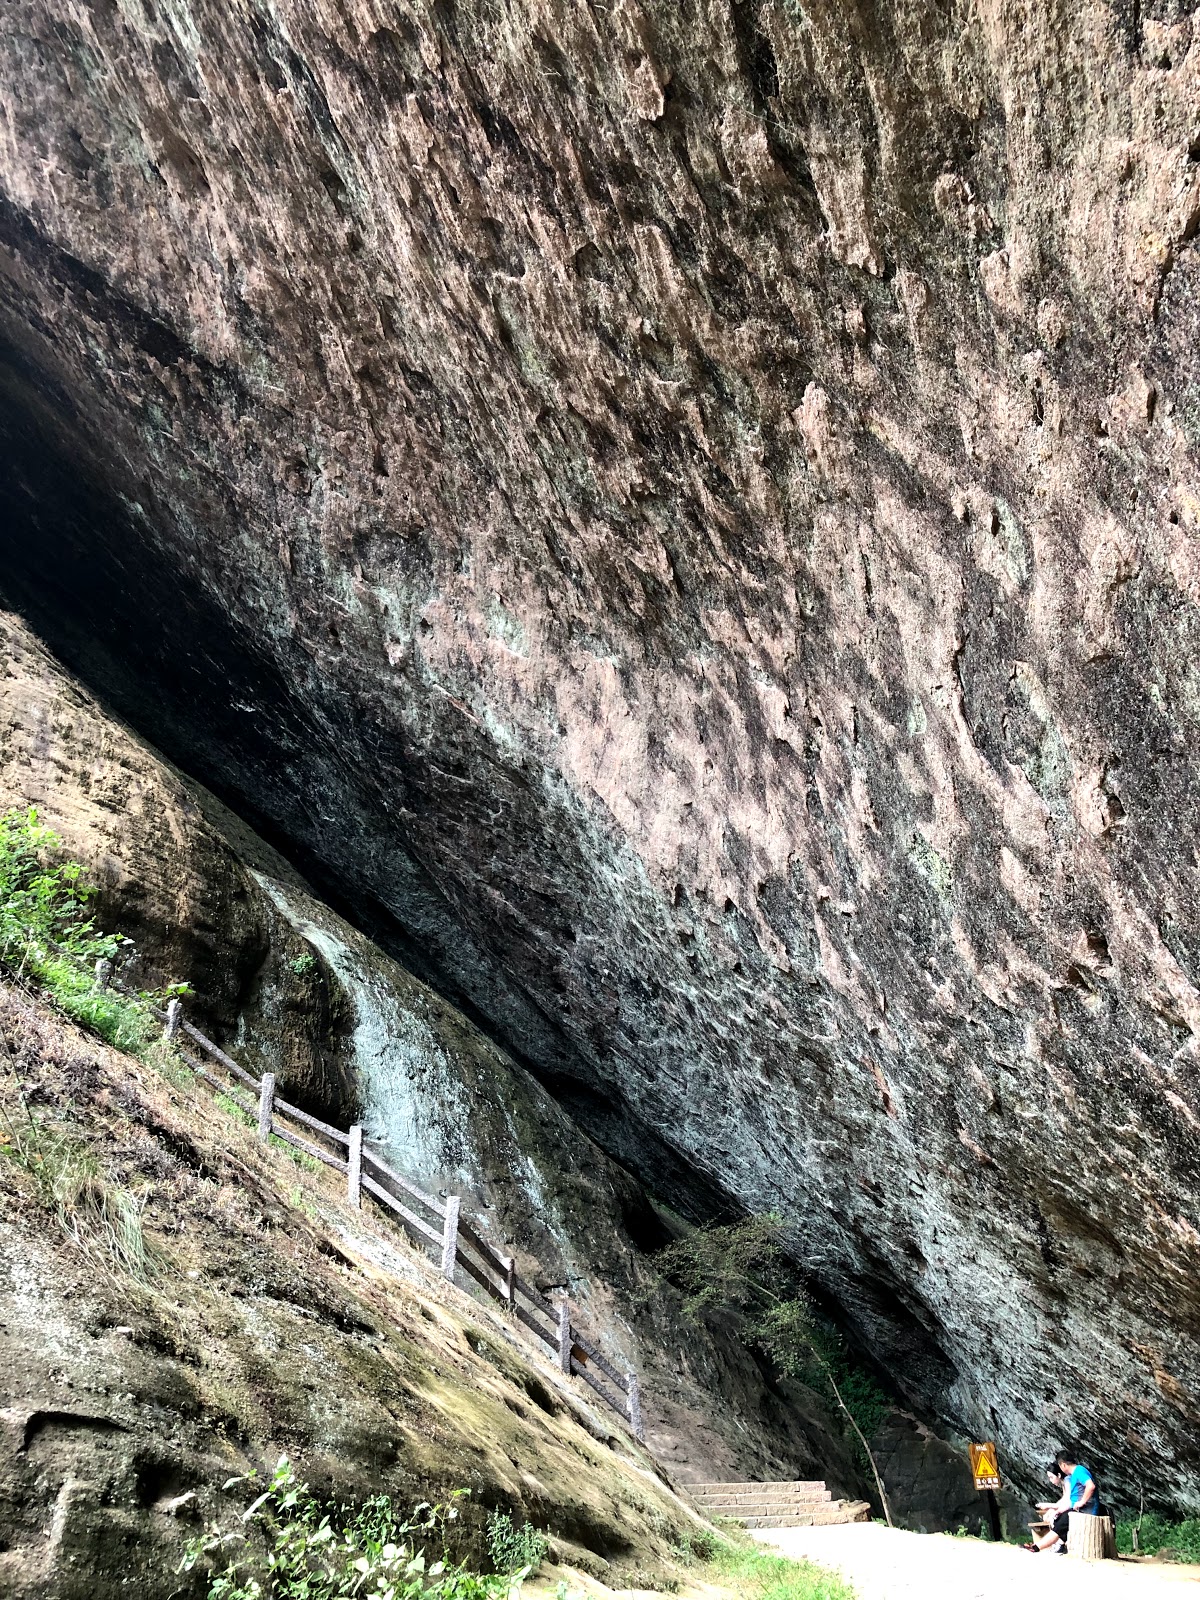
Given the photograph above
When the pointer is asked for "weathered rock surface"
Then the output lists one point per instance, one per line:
(929, 1484)
(350, 1033)
(686, 517)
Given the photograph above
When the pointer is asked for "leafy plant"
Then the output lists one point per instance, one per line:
(1157, 1533)
(515, 1551)
(232, 1109)
(48, 936)
(41, 901)
(303, 965)
(742, 1268)
(290, 1545)
(698, 1544)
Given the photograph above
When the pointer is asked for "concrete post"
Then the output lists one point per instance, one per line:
(354, 1174)
(266, 1106)
(450, 1236)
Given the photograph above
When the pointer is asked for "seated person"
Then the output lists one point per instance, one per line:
(1078, 1494)
(1055, 1479)
(1080, 1485)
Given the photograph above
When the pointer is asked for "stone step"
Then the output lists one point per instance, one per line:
(803, 1503)
(740, 1513)
(784, 1496)
(852, 1511)
(732, 1487)
(761, 1508)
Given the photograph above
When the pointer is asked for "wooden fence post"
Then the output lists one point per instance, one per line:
(174, 1020)
(104, 972)
(635, 1406)
(564, 1335)
(510, 1280)
(450, 1236)
(266, 1106)
(354, 1167)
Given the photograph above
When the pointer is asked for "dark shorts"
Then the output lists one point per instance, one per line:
(1062, 1525)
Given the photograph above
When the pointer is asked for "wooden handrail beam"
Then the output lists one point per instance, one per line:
(589, 1377)
(537, 1300)
(312, 1150)
(480, 1276)
(491, 1256)
(385, 1197)
(215, 1051)
(544, 1334)
(285, 1109)
(238, 1100)
(411, 1189)
(600, 1359)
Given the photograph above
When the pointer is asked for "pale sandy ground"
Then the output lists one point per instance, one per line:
(889, 1564)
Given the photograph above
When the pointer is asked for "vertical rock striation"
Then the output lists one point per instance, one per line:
(686, 516)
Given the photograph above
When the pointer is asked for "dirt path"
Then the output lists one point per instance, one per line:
(889, 1564)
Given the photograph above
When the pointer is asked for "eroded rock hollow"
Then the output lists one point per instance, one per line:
(684, 517)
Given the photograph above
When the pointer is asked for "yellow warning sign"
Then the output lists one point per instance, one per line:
(983, 1465)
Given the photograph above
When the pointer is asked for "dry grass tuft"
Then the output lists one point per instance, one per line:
(101, 1217)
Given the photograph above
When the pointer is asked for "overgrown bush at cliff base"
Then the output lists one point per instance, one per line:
(1157, 1534)
(289, 1545)
(515, 1549)
(48, 937)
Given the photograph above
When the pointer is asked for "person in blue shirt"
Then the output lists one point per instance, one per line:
(1078, 1494)
(1080, 1486)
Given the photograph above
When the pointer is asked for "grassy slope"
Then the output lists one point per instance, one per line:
(182, 1304)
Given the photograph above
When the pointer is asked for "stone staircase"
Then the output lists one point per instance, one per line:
(776, 1505)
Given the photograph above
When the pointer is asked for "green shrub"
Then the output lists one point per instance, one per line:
(122, 1020)
(697, 1544)
(515, 1552)
(1157, 1533)
(47, 935)
(289, 1545)
(232, 1109)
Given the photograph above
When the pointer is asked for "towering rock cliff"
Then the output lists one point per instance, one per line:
(685, 516)
(353, 1036)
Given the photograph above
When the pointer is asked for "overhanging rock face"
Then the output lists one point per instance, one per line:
(689, 517)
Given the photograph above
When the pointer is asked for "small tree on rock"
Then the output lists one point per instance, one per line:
(743, 1268)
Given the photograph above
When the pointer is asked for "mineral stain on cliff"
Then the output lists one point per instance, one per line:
(533, 461)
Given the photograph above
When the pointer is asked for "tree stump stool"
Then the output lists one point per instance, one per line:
(1091, 1538)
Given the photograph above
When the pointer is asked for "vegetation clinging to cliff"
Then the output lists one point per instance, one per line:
(47, 935)
(289, 1544)
(742, 1268)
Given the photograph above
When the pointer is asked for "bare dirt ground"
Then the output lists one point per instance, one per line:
(890, 1564)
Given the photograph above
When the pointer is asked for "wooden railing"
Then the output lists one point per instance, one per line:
(438, 1225)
